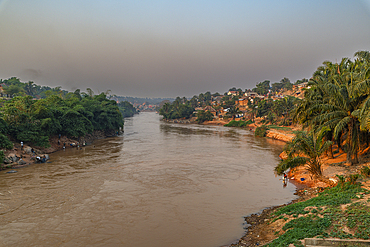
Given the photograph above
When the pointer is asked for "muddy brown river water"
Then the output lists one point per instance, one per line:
(157, 185)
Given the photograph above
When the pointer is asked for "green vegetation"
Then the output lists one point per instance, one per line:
(261, 131)
(305, 148)
(1, 156)
(14, 87)
(74, 115)
(339, 98)
(180, 108)
(271, 126)
(204, 116)
(126, 109)
(365, 171)
(322, 216)
(233, 111)
(240, 123)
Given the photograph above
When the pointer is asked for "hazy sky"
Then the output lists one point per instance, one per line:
(166, 48)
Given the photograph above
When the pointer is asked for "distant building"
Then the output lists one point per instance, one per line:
(233, 93)
(251, 94)
(242, 101)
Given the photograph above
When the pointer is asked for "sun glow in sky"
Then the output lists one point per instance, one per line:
(169, 48)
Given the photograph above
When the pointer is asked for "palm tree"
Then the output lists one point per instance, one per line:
(233, 111)
(305, 149)
(29, 88)
(335, 101)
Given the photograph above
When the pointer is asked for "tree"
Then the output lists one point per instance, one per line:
(127, 109)
(286, 83)
(338, 99)
(14, 90)
(262, 88)
(305, 149)
(176, 110)
(264, 107)
(204, 116)
(30, 88)
(233, 111)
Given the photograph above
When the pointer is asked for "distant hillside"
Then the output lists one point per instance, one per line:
(152, 101)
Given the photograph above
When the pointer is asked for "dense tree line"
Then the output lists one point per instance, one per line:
(74, 115)
(14, 87)
(127, 109)
(180, 108)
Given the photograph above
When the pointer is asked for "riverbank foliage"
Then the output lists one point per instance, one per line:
(338, 98)
(203, 116)
(261, 131)
(306, 148)
(339, 212)
(180, 108)
(127, 109)
(73, 115)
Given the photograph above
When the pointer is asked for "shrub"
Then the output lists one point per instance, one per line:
(4, 142)
(365, 171)
(261, 131)
(2, 155)
(204, 116)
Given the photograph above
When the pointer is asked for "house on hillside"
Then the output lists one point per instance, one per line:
(251, 94)
(242, 101)
(217, 100)
(210, 109)
(207, 108)
(300, 85)
(233, 93)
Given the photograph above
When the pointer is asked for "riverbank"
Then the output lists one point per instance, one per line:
(258, 229)
(262, 227)
(19, 157)
(340, 212)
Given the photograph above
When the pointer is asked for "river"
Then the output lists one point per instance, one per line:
(157, 185)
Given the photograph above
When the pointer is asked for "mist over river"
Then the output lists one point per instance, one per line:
(157, 185)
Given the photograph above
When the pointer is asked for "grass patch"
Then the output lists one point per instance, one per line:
(322, 216)
(279, 127)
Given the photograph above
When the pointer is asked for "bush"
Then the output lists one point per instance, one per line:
(204, 116)
(261, 131)
(2, 155)
(365, 171)
(5, 143)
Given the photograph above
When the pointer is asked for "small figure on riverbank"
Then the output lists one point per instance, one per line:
(285, 179)
(58, 142)
(64, 146)
(21, 145)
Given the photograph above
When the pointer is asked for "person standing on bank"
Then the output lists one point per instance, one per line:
(21, 145)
